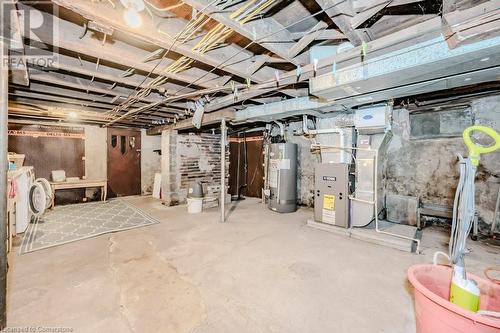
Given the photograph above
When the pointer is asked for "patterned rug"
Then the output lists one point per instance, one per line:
(65, 224)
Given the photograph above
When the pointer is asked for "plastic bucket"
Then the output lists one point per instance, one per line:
(435, 314)
(195, 205)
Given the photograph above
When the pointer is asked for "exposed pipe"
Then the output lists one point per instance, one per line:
(282, 128)
(339, 131)
(375, 187)
(267, 135)
(305, 129)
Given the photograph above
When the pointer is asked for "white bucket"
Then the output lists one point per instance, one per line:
(195, 205)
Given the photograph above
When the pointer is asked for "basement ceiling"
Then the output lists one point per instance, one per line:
(171, 57)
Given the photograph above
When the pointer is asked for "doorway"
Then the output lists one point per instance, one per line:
(246, 165)
(124, 162)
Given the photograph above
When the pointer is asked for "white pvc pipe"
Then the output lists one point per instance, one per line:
(375, 186)
(339, 131)
(282, 128)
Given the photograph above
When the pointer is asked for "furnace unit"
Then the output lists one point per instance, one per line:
(331, 194)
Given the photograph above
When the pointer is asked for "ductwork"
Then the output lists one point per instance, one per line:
(405, 70)
(291, 107)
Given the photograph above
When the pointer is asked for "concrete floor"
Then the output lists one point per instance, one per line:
(260, 272)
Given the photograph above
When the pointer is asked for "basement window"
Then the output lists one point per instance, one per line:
(440, 124)
(123, 144)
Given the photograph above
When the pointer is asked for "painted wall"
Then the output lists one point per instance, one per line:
(150, 161)
(95, 152)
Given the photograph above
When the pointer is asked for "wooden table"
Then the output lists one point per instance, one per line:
(82, 183)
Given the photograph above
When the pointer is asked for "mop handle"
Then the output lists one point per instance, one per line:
(476, 150)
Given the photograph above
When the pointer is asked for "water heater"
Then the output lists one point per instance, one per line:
(283, 177)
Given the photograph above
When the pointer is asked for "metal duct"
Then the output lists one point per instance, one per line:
(427, 61)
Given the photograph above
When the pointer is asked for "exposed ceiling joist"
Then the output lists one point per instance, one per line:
(49, 90)
(208, 119)
(61, 112)
(327, 34)
(360, 18)
(61, 99)
(307, 39)
(82, 84)
(118, 52)
(279, 43)
(112, 75)
(103, 13)
(405, 37)
(341, 12)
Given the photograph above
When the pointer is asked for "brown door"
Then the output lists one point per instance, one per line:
(124, 162)
(246, 169)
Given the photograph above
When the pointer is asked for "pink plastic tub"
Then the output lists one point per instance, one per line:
(435, 314)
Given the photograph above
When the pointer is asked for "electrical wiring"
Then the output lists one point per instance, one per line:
(263, 38)
(225, 61)
(130, 100)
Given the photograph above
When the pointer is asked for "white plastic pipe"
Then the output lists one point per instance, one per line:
(282, 128)
(338, 131)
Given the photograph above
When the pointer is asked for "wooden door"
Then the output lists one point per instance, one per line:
(124, 162)
(247, 152)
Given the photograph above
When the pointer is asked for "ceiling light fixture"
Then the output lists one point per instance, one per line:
(485, 59)
(132, 11)
(72, 115)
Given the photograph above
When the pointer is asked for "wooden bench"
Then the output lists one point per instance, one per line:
(82, 183)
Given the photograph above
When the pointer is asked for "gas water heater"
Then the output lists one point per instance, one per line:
(283, 177)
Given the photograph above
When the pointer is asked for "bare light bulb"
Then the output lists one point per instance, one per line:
(132, 17)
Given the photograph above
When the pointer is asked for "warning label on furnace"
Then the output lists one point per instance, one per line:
(329, 202)
(328, 209)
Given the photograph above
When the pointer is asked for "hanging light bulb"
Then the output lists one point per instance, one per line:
(132, 12)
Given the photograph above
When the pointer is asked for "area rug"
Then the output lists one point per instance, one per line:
(70, 223)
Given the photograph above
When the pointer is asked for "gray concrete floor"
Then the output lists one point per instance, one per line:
(260, 272)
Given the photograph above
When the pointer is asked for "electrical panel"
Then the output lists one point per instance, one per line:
(331, 194)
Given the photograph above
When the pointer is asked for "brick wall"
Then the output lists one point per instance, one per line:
(191, 157)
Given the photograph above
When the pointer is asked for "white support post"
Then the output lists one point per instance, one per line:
(223, 134)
